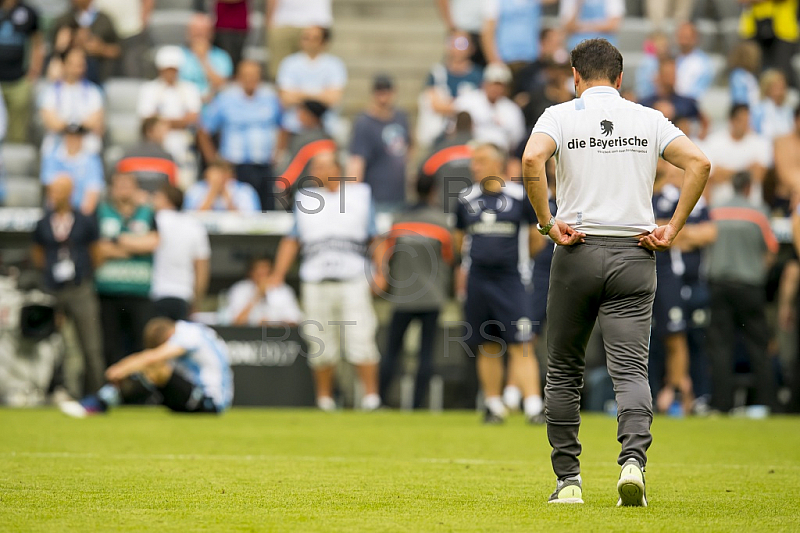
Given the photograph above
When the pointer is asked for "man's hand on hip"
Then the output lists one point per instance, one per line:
(659, 239)
(565, 235)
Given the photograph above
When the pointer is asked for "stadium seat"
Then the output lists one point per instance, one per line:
(122, 94)
(633, 34)
(123, 128)
(634, 8)
(111, 155)
(729, 30)
(716, 103)
(20, 159)
(256, 53)
(256, 35)
(23, 191)
(169, 27)
(50, 9)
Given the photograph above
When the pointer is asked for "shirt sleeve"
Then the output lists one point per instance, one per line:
(667, 132)
(94, 175)
(191, 201)
(223, 64)
(361, 144)
(548, 124)
(48, 100)
(48, 169)
(247, 201)
(212, 117)
(338, 74)
(285, 76)
(185, 337)
(490, 9)
(95, 100)
(286, 308)
(566, 9)
(203, 246)
(192, 98)
(147, 105)
(238, 297)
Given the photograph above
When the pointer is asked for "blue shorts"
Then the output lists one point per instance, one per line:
(497, 307)
(668, 307)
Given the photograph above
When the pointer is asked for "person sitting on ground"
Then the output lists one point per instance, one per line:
(187, 363)
(252, 302)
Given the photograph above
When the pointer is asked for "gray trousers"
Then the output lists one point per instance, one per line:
(80, 304)
(610, 280)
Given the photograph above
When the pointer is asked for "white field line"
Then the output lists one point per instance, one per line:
(338, 459)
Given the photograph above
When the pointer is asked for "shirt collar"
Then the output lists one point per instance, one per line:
(603, 89)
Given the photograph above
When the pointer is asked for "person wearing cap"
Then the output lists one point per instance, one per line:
(495, 118)
(177, 102)
(456, 75)
(247, 117)
(379, 146)
(72, 100)
(312, 140)
(71, 157)
(311, 74)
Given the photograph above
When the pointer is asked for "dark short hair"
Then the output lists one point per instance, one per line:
(173, 194)
(157, 332)
(736, 108)
(545, 33)
(597, 59)
(463, 121)
(426, 184)
(327, 34)
(797, 112)
(741, 181)
(147, 126)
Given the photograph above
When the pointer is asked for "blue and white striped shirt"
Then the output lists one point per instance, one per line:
(248, 125)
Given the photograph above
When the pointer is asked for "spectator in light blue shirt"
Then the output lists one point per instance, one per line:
(591, 19)
(220, 191)
(83, 166)
(695, 69)
(247, 118)
(205, 65)
(311, 74)
(511, 30)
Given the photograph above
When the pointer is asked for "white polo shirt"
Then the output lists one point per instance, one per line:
(181, 240)
(607, 149)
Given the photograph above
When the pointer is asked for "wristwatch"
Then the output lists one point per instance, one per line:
(545, 230)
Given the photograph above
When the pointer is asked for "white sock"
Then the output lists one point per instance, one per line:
(326, 403)
(532, 405)
(370, 402)
(495, 405)
(512, 397)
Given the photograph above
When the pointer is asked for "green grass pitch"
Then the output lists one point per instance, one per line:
(142, 469)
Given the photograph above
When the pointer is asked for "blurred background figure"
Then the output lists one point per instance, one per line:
(65, 250)
(84, 26)
(181, 262)
(148, 161)
(21, 63)
(680, 108)
(590, 19)
(220, 191)
(204, 65)
(744, 64)
(311, 74)
(737, 270)
(379, 149)
(286, 20)
(736, 149)
(130, 20)
(73, 100)
(247, 118)
(448, 163)
(71, 157)
(253, 302)
(775, 117)
(231, 24)
(661, 11)
(333, 229)
(657, 49)
(445, 82)
(510, 31)
(128, 238)
(178, 103)
(418, 256)
(695, 73)
(466, 16)
(772, 24)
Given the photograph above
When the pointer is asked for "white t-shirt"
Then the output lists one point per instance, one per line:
(182, 240)
(205, 363)
(501, 123)
(279, 305)
(607, 149)
(73, 103)
(466, 15)
(126, 16)
(725, 152)
(333, 230)
(170, 102)
(303, 13)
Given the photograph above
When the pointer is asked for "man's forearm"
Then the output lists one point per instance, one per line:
(695, 178)
(535, 180)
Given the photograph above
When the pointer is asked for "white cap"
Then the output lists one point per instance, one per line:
(169, 57)
(497, 73)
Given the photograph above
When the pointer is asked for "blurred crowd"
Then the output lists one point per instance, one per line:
(209, 127)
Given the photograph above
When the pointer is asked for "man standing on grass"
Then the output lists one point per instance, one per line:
(606, 151)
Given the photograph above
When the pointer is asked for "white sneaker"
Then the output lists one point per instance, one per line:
(512, 397)
(631, 485)
(370, 402)
(326, 403)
